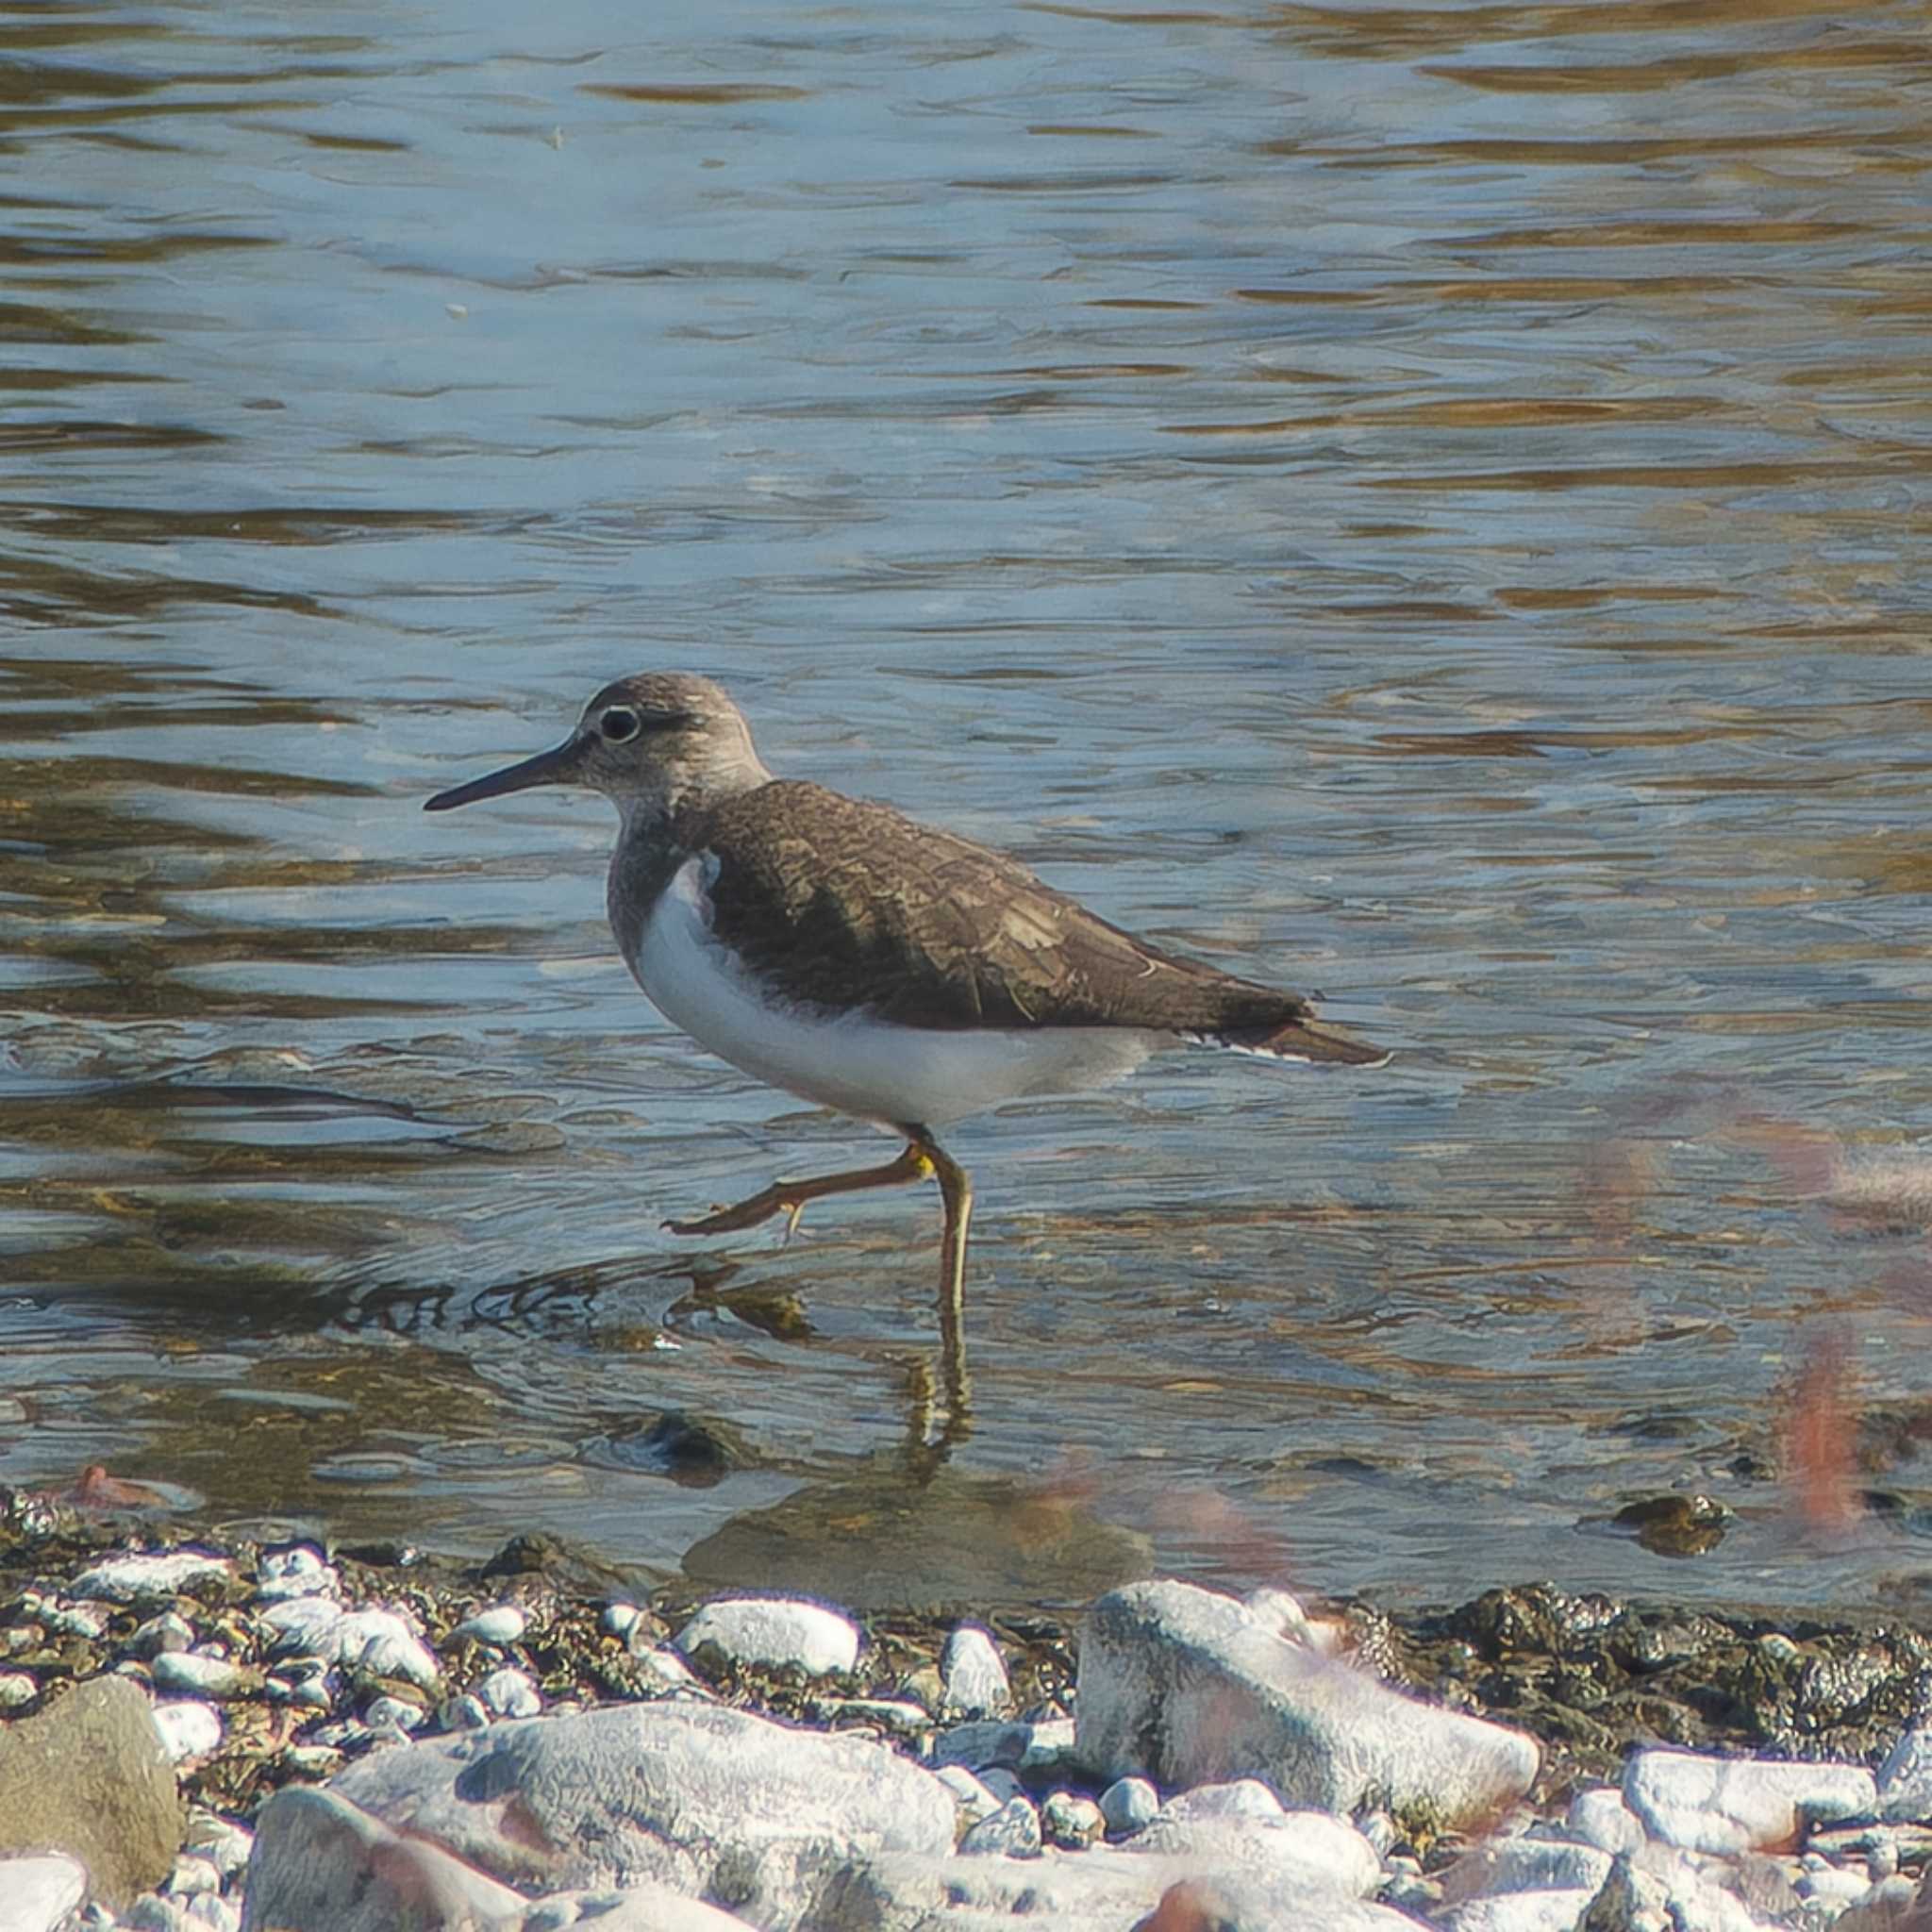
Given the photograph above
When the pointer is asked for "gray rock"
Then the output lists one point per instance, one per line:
(973, 1798)
(156, 1914)
(18, 1689)
(1007, 1745)
(1525, 1864)
(321, 1864)
(224, 1845)
(37, 1894)
(773, 1633)
(510, 1692)
(1072, 1822)
(1187, 1686)
(1519, 1911)
(1128, 1804)
(190, 1674)
(1290, 1846)
(170, 1630)
(750, 1814)
(1905, 1779)
(1602, 1819)
(635, 1908)
(1730, 1804)
(1012, 1832)
(973, 1676)
(1244, 1797)
(1887, 1908)
(1655, 1889)
(89, 1777)
(1105, 1890)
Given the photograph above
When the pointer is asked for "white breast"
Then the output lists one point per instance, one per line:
(895, 1074)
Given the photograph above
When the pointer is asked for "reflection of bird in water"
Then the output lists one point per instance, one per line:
(866, 963)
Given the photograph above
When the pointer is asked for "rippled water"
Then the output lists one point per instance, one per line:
(1429, 505)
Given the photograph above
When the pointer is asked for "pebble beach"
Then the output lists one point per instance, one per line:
(203, 1734)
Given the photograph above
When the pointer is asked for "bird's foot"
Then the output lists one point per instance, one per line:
(742, 1214)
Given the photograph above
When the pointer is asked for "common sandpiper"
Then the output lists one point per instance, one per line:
(845, 953)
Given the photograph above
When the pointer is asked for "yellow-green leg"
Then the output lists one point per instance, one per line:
(923, 1158)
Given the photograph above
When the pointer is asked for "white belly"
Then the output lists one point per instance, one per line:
(896, 1074)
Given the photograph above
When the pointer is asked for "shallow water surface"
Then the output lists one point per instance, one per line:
(1424, 505)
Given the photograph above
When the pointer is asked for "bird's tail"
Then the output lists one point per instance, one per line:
(1307, 1040)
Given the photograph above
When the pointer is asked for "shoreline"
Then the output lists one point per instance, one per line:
(262, 1705)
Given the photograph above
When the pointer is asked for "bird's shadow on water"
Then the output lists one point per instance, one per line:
(938, 1401)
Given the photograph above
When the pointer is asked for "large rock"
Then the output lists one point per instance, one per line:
(89, 1777)
(715, 1803)
(321, 1864)
(36, 1894)
(1187, 1687)
(1105, 1890)
(1730, 1804)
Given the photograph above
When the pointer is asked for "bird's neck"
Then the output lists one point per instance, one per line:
(657, 832)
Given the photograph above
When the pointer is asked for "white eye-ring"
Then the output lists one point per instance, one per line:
(618, 724)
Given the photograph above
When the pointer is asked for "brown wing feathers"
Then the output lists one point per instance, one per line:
(840, 902)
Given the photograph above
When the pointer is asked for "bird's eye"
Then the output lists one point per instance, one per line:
(618, 724)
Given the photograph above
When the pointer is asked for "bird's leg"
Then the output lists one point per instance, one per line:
(956, 1192)
(789, 1197)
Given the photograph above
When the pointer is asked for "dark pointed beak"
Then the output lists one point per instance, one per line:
(561, 765)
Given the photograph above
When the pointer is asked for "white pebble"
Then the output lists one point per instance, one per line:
(619, 1619)
(300, 1571)
(392, 1714)
(1129, 1804)
(187, 1729)
(509, 1693)
(192, 1873)
(499, 1624)
(149, 1578)
(775, 1633)
(670, 1671)
(17, 1690)
(223, 1843)
(395, 1653)
(190, 1674)
(972, 1676)
(1011, 1832)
